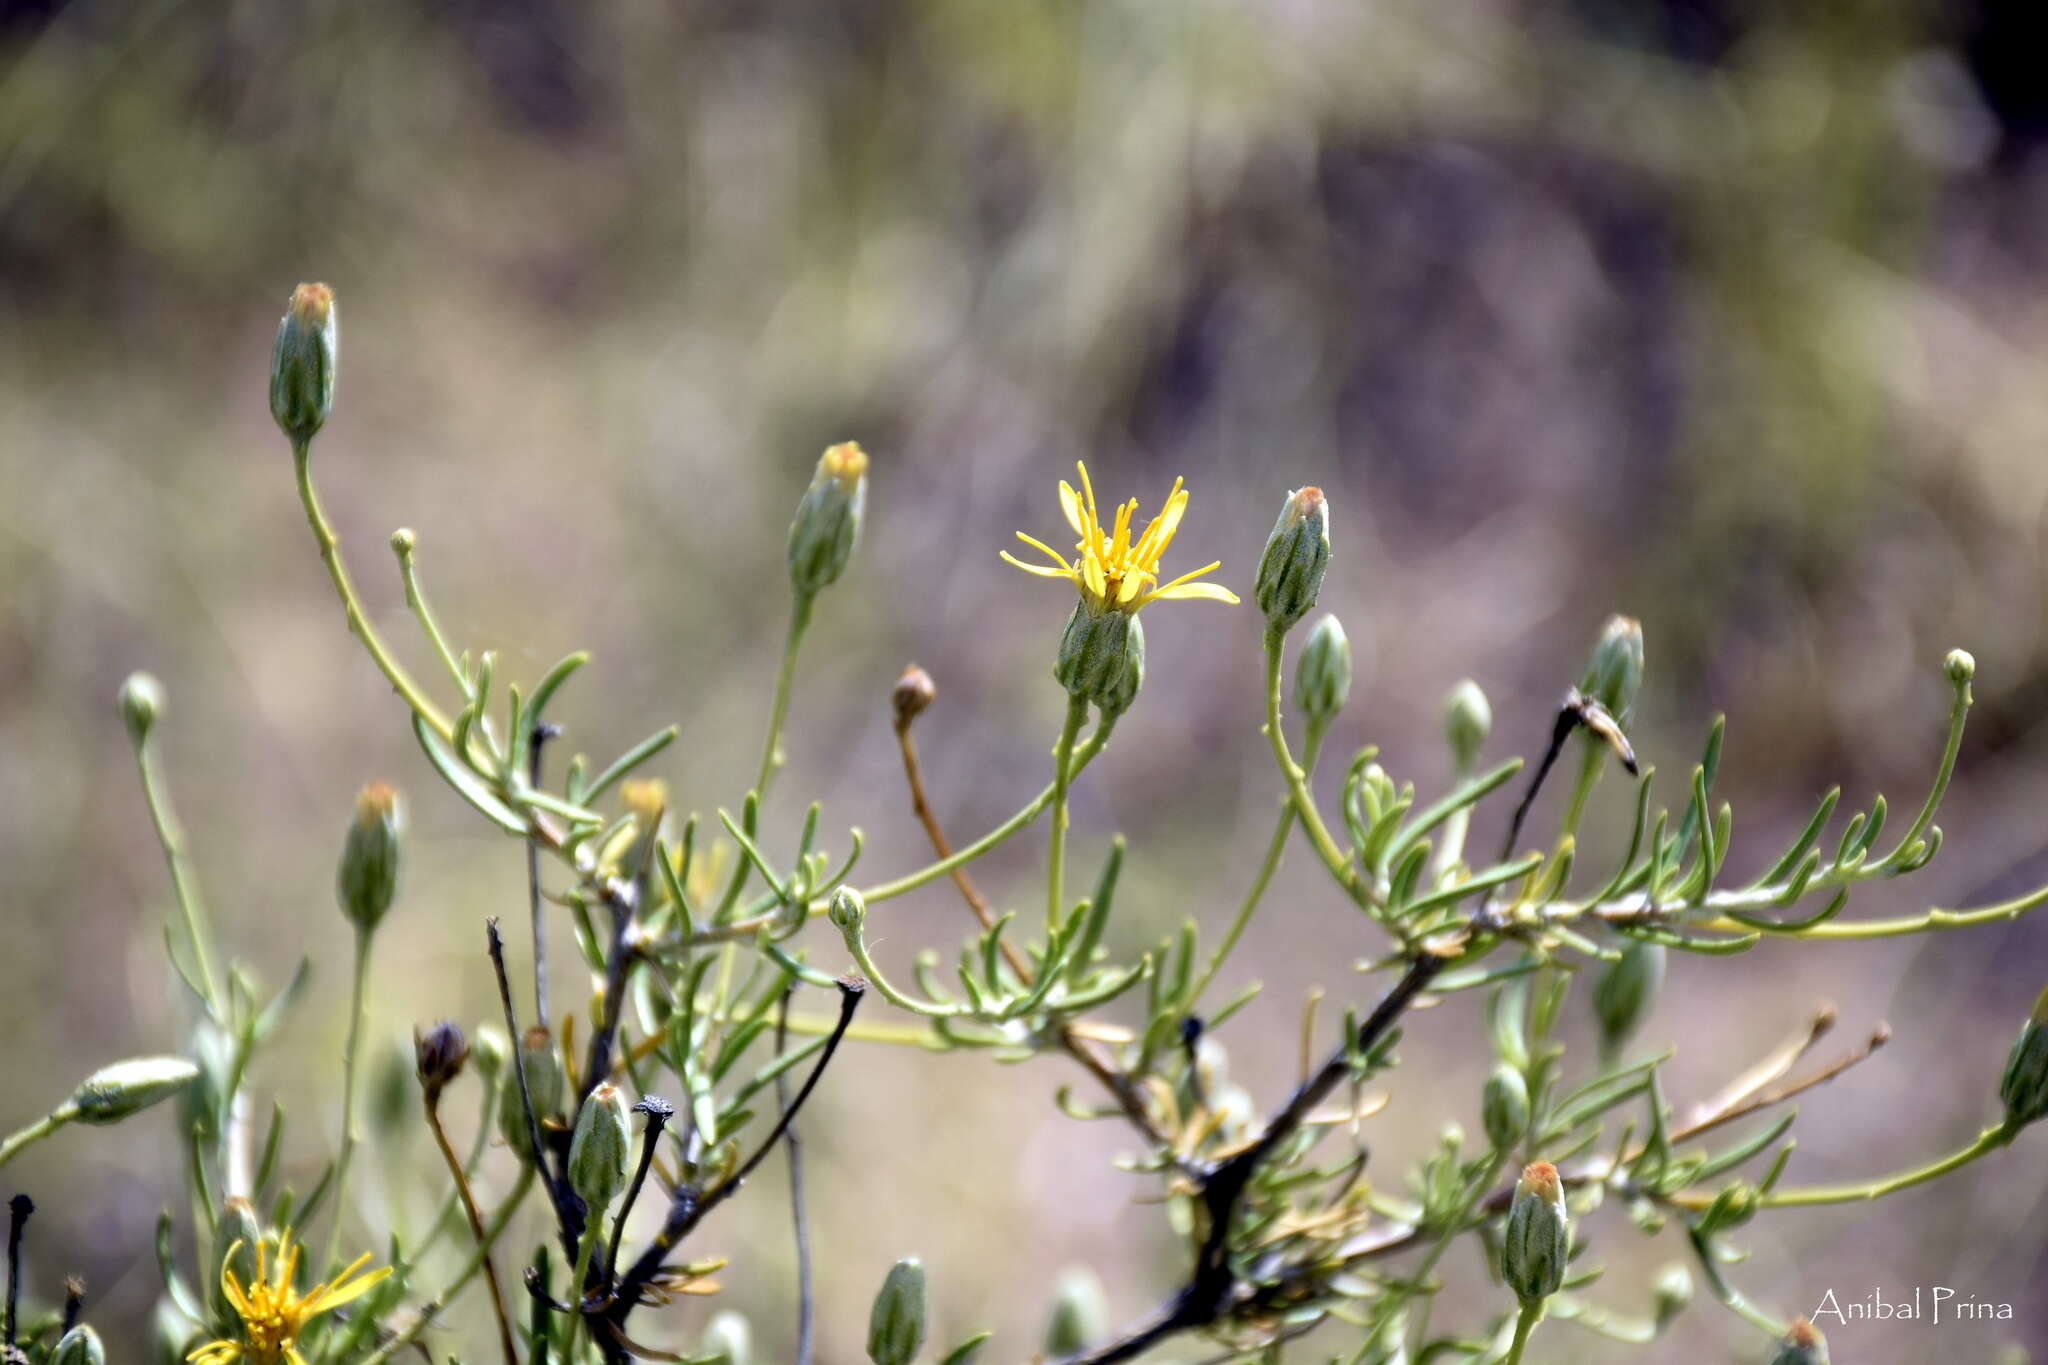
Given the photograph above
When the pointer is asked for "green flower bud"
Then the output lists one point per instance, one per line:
(545, 1080)
(598, 1152)
(142, 701)
(1094, 661)
(1296, 557)
(1960, 665)
(1538, 1237)
(847, 911)
(827, 524)
(1802, 1345)
(367, 880)
(302, 363)
(1622, 996)
(1672, 1294)
(1080, 1313)
(1119, 697)
(235, 1239)
(490, 1051)
(2024, 1087)
(1322, 680)
(727, 1336)
(79, 1346)
(1504, 1107)
(438, 1057)
(1614, 673)
(896, 1323)
(1468, 719)
(114, 1092)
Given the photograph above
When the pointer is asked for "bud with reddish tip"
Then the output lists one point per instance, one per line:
(1538, 1239)
(914, 691)
(545, 1081)
(597, 1154)
(367, 881)
(827, 524)
(1802, 1345)
(302, 363)
(1296, 557)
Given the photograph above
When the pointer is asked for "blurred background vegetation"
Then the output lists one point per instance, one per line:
(1728, 315)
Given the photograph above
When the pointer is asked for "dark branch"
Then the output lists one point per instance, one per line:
(568, 1216)
(1213, 1284)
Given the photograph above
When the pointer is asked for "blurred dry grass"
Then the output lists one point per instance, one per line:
(1731, 319)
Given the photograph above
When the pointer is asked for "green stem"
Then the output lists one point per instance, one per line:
(1988, 1141)
(1056, 851)
(1297, 779)
(416, 598)
(771, 751)
(432, 1309)
(1525, 1324)
(358, 997)
(35, 1132)
(933, 871)
(593, 1233)
(1590, 764)
(184, 884)
(1275, 849)
(351, 605)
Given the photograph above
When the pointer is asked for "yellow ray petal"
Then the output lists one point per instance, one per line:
(1178, 592)
(346, 1289)
(1042, 570)
(1070, 504)
(1046, 550)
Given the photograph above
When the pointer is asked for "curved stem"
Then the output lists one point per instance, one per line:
(184, 884)
(358, 994)
(1988, 1141)
(1525, 1324)
(1056, 851)
(933, 871)
(13, 1143)
(1297, 779)
(432, 1309)
(351, 605)
(1275, 850)
(476, 1226)
(771, 749)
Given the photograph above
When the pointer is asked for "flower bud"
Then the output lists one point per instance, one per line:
(1296, 557)
(1125, 691)
(1802, 1345)
(142, 701)
(1468, 719)
(2024, 1087)
(1504, 1107)
(302, 363)
(896, 1323)
(367, 879)
(79, 1346)
(114, 1092)
(1622, 996)
(235, 1239)
(545, 1081)
(1080, 1313)
(847, 911)
(827, 524)
(728, 1337)
(1614, 673)
(438, 1056)
(1095, 655)
(597, 1154)
(1960, 665)
(1538, 1236)
(490, 1050)
(914, 691)
(1672, 1294)
(1322, 680)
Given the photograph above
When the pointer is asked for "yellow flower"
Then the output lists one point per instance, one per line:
(273, 1313)
(1112, 568)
